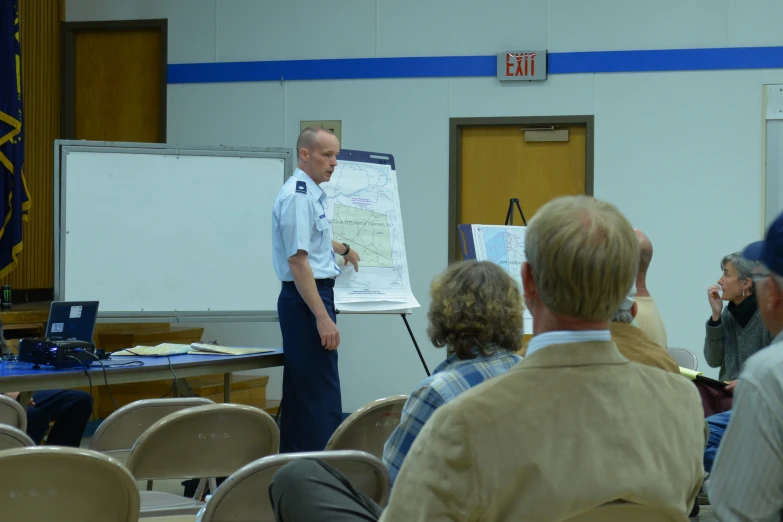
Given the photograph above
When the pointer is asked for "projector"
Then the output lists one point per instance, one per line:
(60, 354)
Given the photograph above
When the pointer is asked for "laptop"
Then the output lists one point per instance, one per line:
(72, 320)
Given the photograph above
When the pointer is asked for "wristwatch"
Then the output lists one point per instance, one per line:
(347, 249)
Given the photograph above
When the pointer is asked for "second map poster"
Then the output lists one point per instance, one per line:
(504, 245)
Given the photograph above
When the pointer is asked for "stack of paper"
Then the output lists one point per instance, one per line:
(690, 374)
(213, 349)
(698, 376)
(161, 350)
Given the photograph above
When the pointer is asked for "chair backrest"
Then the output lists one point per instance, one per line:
(12, 413)
(11, 438)
(244, 495)
(369, 427)
(67, 485)
(623, 511)
(684, 358)
(122, 429)
(213, 440)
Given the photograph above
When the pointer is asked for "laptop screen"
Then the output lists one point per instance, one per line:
(72, 320)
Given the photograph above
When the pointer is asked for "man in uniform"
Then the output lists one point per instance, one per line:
(304, 259)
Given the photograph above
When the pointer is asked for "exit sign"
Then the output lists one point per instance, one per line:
(522, 65)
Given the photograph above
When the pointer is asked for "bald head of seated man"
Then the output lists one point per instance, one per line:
(648, 317)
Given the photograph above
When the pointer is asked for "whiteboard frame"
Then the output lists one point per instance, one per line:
(63, 147)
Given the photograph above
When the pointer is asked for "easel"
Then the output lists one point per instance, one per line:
(404, 314)
(510, 212)
(410, 332)
(381, 159)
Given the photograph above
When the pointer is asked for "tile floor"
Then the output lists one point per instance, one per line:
(705, 515)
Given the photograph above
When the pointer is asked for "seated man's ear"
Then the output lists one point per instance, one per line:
(528, 285)
(634, 309)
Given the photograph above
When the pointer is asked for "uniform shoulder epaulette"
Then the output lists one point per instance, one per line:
(301, 187)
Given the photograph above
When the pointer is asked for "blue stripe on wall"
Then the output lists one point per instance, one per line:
(477, 66)
(666, 60)
(339, 69)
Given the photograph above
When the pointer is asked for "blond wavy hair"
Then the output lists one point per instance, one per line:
(584, 257)
(476, 309)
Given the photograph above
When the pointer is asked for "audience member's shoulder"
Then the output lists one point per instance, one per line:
(484, 393)
(439, 382)
(765, 362)
(434, 381)
(678, 396)
(673, 380)
(445, 377)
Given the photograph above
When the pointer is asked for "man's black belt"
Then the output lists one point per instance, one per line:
(318, 282)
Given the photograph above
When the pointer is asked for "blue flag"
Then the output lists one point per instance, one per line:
(14, 197)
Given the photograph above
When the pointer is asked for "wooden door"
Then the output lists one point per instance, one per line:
(116, 81)
(497, 164)
(115, 90)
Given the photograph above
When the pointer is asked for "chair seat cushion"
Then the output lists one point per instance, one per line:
(120, 455)
(159, 504)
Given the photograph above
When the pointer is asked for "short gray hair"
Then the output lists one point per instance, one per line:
(744, 267)
(307, 138)
(623, 316)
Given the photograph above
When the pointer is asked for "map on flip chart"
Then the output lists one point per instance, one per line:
(505, 246)
(363, 206)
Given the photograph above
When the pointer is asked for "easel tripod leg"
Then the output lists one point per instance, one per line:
(410, 332)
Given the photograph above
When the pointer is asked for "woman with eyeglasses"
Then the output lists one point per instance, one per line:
(735, 332)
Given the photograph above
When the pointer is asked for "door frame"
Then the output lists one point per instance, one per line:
(68, 32)
(455, 154)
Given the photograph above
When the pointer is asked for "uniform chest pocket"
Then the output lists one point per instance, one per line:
(321, 224)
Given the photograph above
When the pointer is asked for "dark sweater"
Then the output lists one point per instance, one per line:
(728, 343)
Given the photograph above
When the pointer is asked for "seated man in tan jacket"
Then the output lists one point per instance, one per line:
(634, 343)
(648, 317)
(573, 426)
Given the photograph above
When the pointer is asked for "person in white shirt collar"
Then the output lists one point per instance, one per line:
(747, 477)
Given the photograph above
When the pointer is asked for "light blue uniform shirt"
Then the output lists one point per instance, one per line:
(299, 223)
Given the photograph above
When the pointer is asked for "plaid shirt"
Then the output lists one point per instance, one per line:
(452, 377)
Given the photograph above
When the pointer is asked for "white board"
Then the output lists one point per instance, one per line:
(151, 231)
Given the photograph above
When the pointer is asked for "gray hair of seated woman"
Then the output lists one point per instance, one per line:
(624, 314)
(743, 266)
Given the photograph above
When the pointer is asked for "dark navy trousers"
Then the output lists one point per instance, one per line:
(312, 405)
(68, 409)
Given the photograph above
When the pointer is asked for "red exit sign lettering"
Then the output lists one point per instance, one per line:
(522, 65)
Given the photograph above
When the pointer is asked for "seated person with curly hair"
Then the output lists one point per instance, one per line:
(476, 313)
